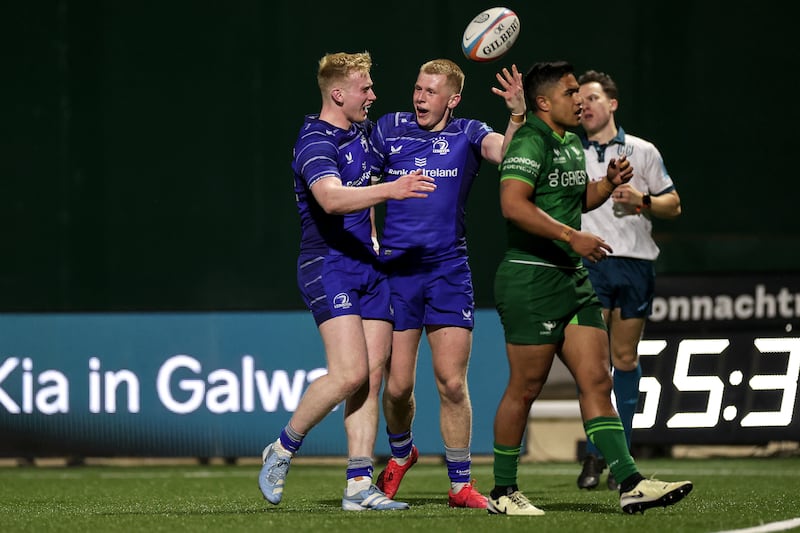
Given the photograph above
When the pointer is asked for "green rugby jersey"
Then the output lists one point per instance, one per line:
(556, 169)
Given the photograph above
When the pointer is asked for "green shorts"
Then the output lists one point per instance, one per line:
(535, 303)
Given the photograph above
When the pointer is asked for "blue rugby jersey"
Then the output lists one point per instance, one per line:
(325, 150)
(431, 228)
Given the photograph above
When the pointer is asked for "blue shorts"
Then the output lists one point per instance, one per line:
(624, 283)
(435, 294)
(337, 285)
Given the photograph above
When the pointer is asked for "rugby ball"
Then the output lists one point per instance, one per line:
(490, 35)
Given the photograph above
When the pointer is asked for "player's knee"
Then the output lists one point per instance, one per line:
(625, 360)
(454, 390)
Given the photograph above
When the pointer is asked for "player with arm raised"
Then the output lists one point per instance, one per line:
(424, 248)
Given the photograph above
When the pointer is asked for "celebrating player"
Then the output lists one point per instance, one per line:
(425, 250)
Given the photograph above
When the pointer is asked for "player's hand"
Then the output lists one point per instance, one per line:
(627, 200)
(589, 246)
(414, 185)
(619, 171)
(511, 92)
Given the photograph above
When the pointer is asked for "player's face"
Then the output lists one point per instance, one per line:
(566, 102)
(358, 95)
(597, 107)
(433, 101)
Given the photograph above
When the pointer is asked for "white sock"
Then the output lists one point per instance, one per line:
(357, 484)
(456, 487)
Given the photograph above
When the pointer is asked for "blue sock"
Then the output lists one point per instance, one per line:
(359, 466)
(626, 389)
(400, 443)
(291, 440)
(592, 449)
(459, 464)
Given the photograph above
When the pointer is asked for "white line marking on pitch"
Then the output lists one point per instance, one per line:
(772, 526)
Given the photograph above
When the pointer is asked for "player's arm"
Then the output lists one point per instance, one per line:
(634, 201)
(597, 192)
(336, 199)
(494, 145)
(516, 207)
(667, 205)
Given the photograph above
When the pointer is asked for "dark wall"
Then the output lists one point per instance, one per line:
(145, 146)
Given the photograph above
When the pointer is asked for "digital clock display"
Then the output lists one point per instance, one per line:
(741, 388)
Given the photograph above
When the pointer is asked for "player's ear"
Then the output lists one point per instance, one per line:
(543, 103)
(454, 100)
(614, 104)
(337, 95)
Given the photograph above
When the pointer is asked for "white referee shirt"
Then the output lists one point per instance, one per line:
(629, 234)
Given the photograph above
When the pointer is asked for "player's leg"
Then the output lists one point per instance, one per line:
(635, 282)
(527, 299)
(346, 356)
(625, 335)
(529, 366)
(450, 349)
(585, 355)
(408, 301)
(399, 408)
(601, 275)
(361, 426)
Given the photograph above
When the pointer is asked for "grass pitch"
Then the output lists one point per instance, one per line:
(728, 494)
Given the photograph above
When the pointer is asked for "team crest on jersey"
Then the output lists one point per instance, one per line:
(441, 146)
(342, 301)
(421, 161)
(624, 149)
(364, 144)
(395, 149)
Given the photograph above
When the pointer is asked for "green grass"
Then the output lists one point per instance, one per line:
(728, 494)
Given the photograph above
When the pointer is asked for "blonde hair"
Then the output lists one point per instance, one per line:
(455, 76)
(334, 68)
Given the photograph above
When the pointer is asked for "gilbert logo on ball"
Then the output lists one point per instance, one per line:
(490, 35)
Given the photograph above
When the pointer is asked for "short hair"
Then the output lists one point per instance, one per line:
(605, 81)
(541, 76)
(454, 74)
(337, 67)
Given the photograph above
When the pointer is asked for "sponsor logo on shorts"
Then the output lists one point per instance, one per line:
(342, 301)
(548, 328)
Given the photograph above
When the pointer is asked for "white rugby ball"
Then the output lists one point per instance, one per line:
(490, 35)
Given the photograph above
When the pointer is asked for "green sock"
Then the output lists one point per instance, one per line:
(607, 433)
(506, 459)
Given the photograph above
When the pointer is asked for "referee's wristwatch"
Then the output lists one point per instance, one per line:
(647, 201)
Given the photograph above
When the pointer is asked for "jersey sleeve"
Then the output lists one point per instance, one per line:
(317, 158)
(523, 160)
(655, 174)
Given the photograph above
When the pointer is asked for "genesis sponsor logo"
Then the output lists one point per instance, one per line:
(566, 179)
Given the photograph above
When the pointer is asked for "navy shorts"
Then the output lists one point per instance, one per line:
(337, 285)
(436, 294)
(624, 283)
